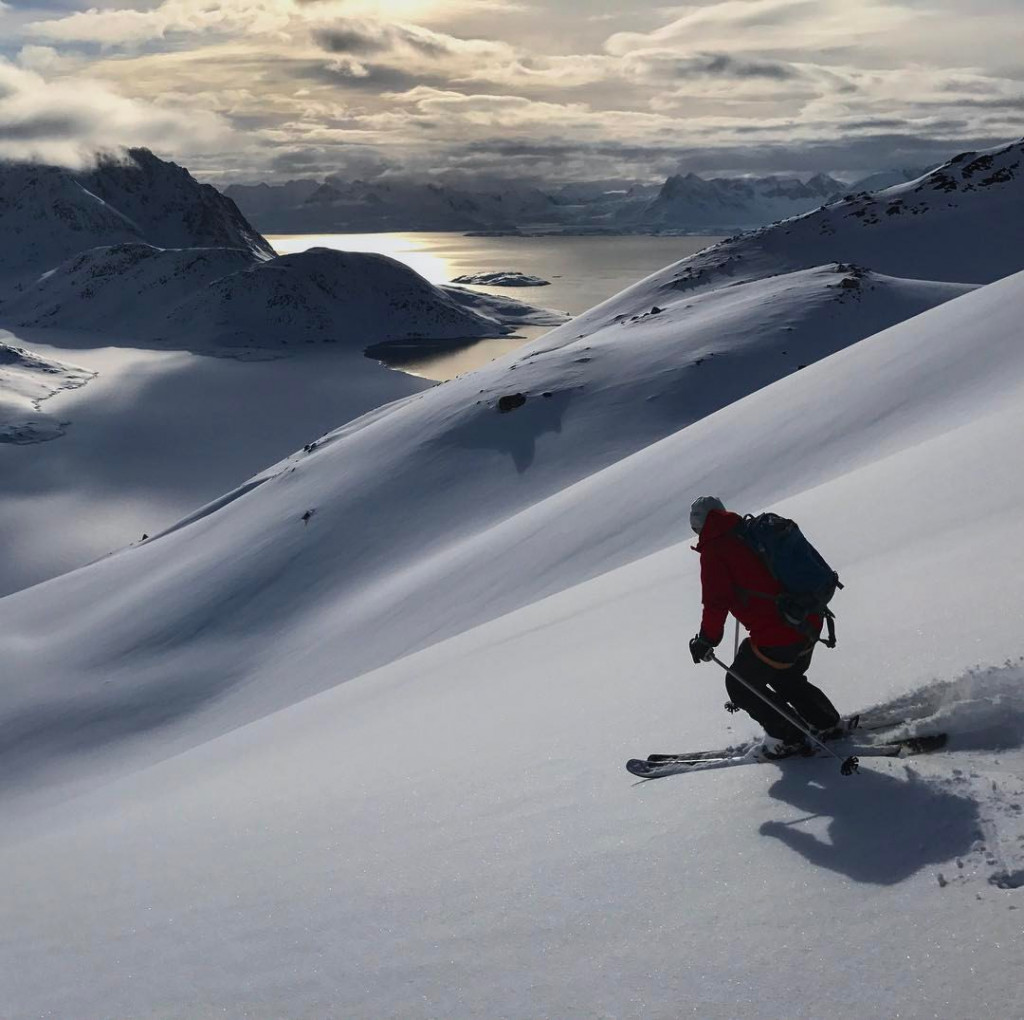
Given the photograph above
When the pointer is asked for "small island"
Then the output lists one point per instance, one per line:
(506, 278)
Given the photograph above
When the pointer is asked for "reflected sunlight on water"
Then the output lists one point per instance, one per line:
(414, 250)
(582, 272)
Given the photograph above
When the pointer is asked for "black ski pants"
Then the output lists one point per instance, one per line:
(787, 688)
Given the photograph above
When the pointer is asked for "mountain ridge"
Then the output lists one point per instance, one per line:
(48, 213)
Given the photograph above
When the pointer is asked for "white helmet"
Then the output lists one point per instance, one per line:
(700, 508)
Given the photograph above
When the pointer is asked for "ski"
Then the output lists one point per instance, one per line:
(851, 727)
(895, 749)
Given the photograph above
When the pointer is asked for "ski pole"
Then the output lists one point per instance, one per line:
(848, 765)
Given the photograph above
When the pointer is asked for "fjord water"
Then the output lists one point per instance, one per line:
(583, 271)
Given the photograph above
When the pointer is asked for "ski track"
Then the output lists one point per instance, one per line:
(983, 713)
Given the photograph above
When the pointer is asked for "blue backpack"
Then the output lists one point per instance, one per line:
(808, 582)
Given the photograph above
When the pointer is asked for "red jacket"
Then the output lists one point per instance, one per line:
(727, 568)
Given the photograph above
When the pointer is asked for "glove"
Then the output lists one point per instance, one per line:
(701, 648)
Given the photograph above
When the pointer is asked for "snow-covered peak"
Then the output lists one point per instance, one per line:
(690, 202)
(169, 206)
(48, 214)
(968, 172)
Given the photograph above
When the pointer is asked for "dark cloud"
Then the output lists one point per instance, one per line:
(344, 161)
(874, 124)
(349, 40)
(994, 103)
(360, 39)
(722, 65)
(48, 127)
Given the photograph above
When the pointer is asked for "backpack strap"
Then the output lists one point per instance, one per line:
(827, 615)
(830, 626)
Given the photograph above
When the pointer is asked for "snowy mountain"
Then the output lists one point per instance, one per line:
(885, 179)
(48, 214)
(497, 754)
(960, 223)
(26, 380)
(130, 287)
(343, 206)
(691, 203)
(203, 297)
(688, 203)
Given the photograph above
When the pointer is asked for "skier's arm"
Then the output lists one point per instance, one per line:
(716, 588)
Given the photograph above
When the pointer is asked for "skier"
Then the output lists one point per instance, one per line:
(775, 657)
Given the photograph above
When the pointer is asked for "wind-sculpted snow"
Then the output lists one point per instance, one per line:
(48, 214)
(26, 380)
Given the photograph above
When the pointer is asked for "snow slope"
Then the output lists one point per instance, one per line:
(454, 834)
(960, 223)
(48, 214)
(26, 380)
(381, 579)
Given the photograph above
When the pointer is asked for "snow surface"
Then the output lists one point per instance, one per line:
(26, 380)
(201, 815)
(157, 433)
(454, 835)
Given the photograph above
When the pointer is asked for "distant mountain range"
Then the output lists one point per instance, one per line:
(684, 203)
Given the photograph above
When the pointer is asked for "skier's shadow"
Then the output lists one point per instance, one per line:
(884, 828)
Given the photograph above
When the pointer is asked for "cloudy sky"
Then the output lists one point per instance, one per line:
(560, 89)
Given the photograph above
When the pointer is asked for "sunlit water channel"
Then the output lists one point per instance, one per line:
(583, 271)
